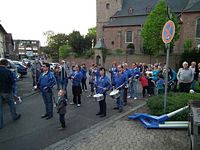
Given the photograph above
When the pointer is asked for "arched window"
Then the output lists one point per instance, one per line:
(198, 28)
(130, 10)
(108, 6)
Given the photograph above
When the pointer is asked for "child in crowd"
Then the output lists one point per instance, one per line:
(61, 108)
(160, 84)
(144, 83)
(14, 89)
(151, 85)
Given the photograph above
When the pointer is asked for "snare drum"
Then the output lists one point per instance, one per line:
(98, 97)
(114, 94)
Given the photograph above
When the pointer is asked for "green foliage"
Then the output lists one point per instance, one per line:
(187, 44)
(55, 42)
(90, 38)
(64, 51)
(76, 41)
(190, 56)
(89, 53)
(174, 102)
(118, 51)
(152, 30)
(104, 54)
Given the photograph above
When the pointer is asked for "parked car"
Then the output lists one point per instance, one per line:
(12, 67)
(26, 62)
(21, 69)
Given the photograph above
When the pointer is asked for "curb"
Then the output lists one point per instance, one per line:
(84, 135)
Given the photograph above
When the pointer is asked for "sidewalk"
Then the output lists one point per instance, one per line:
(119, 133)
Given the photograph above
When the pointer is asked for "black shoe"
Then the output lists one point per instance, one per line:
(120, 110)
(44, 116)
(49, 117)
(98, 114)
(116, 108)
(18, 117)
(102, 116)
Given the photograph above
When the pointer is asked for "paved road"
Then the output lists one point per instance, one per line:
(33, 133)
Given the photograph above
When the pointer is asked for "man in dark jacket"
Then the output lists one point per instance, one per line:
(6, 83)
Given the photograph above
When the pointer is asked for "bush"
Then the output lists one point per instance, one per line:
(174, 102)
(89, 53)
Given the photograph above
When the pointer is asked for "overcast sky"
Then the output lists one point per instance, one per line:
(28, 19)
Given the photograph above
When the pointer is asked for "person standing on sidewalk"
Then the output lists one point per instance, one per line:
(6, 93)
(45, 83)
(76, 78)
(185, 77)
(103, 84)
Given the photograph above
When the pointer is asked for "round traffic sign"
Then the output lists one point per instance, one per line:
(168, 32)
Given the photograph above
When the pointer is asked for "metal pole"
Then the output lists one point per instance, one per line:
(166, 76)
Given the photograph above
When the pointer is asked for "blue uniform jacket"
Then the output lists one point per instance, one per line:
(84, 72)
(46, 81)
(135, 72)
(120, 80)
(103, 84)
(77, 77)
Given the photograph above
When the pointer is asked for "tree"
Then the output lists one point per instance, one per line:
(48, 34)
(64, 51)
(55, 42)
(152, 30)
(76, 41)
(90, 38)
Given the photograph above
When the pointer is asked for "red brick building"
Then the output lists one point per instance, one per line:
(119, 22)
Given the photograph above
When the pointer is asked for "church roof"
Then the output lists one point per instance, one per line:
(134, 12)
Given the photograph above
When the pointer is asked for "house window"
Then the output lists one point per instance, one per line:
(129, 37)
(198, 28)
(108, 6)
(130, 10)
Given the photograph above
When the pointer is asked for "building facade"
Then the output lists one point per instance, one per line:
(27, 48)
(119, 22)
(2, 41)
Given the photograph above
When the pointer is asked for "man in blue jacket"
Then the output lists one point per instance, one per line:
(119, 82)
(6, 84)
(76, 78)
(103, 84)
(45, 83)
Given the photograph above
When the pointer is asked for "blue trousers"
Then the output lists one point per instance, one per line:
(48, 102)
(120, 99)
(10, 100)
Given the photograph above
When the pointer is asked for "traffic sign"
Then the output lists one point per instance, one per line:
(168, 32)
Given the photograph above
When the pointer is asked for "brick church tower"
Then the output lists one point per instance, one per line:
(105, 9)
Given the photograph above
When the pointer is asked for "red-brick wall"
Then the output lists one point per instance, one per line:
(173, 60)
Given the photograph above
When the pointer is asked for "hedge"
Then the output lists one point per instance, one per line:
(174, 102)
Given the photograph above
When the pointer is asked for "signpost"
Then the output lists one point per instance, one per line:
(167, 36)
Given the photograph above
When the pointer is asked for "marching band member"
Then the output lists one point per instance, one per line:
(113, 70)
(92, 76)
(127, 73)
(135, 73)
(119, 82)
(84, 78)
(103, 85)
(76, 77)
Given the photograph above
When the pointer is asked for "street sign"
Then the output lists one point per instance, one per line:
(168, 32)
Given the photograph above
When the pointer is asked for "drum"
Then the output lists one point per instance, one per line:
(114, 94)
(98, 97)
